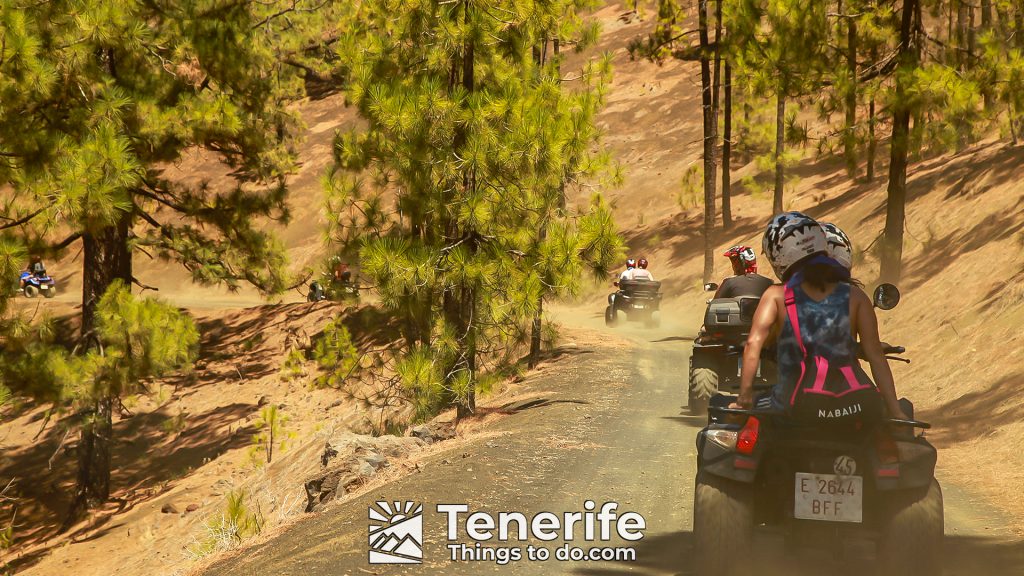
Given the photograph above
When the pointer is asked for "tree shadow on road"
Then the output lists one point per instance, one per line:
(673, 554)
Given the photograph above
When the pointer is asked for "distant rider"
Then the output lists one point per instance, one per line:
(35, 268)
(641, 272)
(745, 280)
(627, 274)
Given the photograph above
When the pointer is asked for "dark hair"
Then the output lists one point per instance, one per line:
(819, 275)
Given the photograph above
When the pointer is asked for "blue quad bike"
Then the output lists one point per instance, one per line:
(36, 284)
(758, 471)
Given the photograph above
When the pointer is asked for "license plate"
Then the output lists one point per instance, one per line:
(829, 497)
(639, 306)
(44, 287)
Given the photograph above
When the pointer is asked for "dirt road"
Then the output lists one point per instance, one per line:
(605, 423)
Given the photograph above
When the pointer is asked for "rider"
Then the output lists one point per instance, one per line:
(341, 274)
(34, 268)
(832, 309)
(641, 272)
(745, 280)
(627, 274)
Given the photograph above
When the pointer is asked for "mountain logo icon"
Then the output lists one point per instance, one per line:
(396, 533)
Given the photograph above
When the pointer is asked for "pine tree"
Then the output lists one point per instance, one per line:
(136, 339)
(452, 195)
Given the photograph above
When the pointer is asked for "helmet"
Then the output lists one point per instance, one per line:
(839, 246)
(790, 238)
(742, 258)
(642, 263)
(631, 263)
(35, 258)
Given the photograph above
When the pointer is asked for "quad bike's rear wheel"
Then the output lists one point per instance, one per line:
(31, 291)
(703, 385)
(610, 316)
(50, 292)
(723, 525)
(911, 541)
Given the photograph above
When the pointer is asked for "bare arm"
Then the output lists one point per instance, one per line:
(764, 320)
(867, 330)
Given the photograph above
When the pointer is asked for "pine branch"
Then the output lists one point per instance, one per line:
(25, 219)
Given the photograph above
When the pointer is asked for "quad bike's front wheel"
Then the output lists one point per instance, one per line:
(723, 525)
(31, 291)
(911, 541)
(703, 385)
(610, 317)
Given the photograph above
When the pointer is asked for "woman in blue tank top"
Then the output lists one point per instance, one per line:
(831, 310)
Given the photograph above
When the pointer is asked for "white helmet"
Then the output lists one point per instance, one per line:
(839, 246)
(791, 237)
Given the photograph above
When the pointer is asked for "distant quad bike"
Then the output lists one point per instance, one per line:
(36, 284)
(639, 300)
(332, 290)
(718, 351)
(816, 486)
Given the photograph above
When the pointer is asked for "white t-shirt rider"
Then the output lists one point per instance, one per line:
(636, 274)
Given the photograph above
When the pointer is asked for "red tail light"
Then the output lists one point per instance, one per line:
(747, 440)
(888, 452)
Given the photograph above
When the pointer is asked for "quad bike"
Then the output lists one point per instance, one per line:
(816, 486)
(331, 289)
(717, 357)
(639, 300)
(39, 283)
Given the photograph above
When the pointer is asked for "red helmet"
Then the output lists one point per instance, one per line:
(630, 263)
(642, 263)
(742, 258)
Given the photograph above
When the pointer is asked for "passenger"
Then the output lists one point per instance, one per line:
(641, 272)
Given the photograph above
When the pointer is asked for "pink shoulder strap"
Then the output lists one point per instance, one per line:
(790, 299)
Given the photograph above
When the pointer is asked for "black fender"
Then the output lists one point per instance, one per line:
(725, 462)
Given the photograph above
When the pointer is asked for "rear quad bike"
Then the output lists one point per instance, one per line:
(717, 357)
(331, 289)
(639, 300)
(36, 284)
(816, 486)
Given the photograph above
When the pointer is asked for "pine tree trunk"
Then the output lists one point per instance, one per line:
(850, 140)
(727, 151)
(535, 334)
(780, 144)
(895, 214)
(106, 260)
(986, 26)
(871, 141)
(710, 130)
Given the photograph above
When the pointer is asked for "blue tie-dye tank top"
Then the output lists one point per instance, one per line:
(825, 328)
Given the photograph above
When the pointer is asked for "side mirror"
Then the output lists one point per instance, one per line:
(710, 287)
(886, 296)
